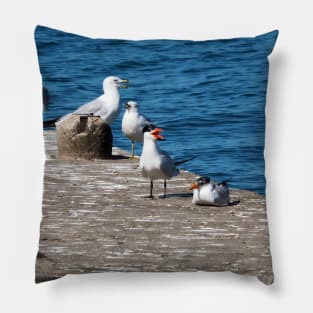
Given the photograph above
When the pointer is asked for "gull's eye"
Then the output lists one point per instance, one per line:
(115, 80)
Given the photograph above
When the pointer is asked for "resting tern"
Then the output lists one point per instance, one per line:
(207, 192)
(107, 106)
(133, 123)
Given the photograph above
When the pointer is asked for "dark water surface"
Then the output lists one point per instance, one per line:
(207, 95)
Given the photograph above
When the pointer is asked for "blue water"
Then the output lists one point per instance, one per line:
(209, 96)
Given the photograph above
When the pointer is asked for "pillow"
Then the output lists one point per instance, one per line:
(209, 99)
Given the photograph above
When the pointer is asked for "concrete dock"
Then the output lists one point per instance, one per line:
(96, 219)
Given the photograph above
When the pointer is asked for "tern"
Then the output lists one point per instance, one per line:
(206, 192)
(133, 123)
(107, 106)
(154, 162)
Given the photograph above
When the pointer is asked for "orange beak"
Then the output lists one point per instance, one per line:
(194, 186)
(156, 133)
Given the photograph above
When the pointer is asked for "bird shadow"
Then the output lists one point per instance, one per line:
(176, 195)
(232, 203)
(118, 157)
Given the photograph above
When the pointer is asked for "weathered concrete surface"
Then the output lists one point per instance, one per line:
(83, 137)
(96, 219)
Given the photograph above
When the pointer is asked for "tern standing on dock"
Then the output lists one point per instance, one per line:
(107, 106)
(154, 162)
(133, 123)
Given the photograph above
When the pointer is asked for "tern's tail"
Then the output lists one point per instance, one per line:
(225, 182)
(183, 161)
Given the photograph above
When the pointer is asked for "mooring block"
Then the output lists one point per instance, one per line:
(84, 137)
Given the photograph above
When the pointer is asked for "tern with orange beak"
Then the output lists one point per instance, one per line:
(206, 192)
(154, 162)
(107, 106)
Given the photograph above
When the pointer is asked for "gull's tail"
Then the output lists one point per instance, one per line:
(50, 123)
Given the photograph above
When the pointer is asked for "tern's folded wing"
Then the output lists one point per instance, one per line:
(167, 165)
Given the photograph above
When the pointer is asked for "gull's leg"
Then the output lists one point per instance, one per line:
(133, 149)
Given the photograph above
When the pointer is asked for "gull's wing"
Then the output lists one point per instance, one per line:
(96, 107)
(145, 121)
(93, 107)
(167, 165)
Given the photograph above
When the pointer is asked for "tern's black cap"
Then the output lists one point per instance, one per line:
(203, 180)
(148, 128)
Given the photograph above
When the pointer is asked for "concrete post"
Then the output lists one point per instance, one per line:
(83, 137)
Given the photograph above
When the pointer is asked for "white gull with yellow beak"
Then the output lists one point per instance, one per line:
(107, 106)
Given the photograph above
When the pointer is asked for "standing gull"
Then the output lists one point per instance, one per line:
(133, 123)
(154, 162)
(107, 106)
(206, 192)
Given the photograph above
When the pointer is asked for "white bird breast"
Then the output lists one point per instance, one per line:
(203, 195)
(131, 126)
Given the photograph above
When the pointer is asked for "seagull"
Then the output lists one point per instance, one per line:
(133, 123)
(107, 106)
(154, 162)
(206, 192)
